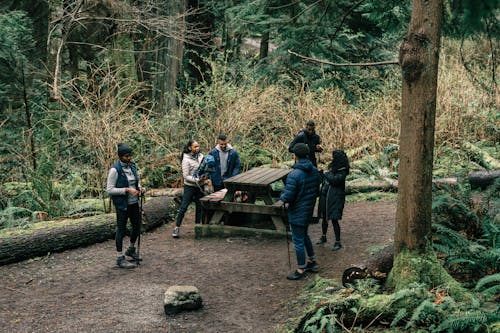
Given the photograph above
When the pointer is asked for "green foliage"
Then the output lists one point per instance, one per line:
(17, 42)
(489, 286)
(468, 243)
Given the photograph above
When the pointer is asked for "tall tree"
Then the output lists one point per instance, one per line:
(414, 259)
(419, 58)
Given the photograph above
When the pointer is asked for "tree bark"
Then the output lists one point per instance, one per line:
(57, 236)
(419, 58)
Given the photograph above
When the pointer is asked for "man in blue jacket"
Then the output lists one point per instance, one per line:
(227, 162)
(301, 190)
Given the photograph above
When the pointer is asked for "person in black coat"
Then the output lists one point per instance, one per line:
(332, 196)
(308, 136)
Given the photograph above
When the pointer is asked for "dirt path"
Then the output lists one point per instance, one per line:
(242, 281)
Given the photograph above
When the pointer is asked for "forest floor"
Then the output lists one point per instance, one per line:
(242, 280)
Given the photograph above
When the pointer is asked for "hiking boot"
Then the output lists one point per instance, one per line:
(297, 276)
(123, 263)
(312, 266)
(175, 234)
(133, 254)
(336, 246)
(321, 240)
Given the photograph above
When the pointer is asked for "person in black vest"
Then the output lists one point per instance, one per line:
(124, 188)
(308, 136)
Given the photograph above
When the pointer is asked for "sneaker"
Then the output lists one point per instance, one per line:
(312, 266)
(133, 254)
(297, 276)
(123, 263)
(175, 234)
(321, 240)
(336, 246)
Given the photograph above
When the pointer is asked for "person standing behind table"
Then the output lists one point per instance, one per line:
(124, 188)
(308, 136)
(300, 194)
(332, 197)
(227, 162)
(191, 159)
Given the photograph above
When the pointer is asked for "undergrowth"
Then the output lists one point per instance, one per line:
(465, 238)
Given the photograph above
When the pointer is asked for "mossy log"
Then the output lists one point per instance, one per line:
(481, 156)
(482, 179)
(388, 185)
(56, 236)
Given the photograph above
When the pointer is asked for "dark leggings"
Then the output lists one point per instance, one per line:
(133, 213)
(190, 194)
(336, 228)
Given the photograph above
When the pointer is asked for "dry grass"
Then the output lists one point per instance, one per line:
(262, 121)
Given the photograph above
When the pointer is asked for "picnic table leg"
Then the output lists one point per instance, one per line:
(215, 219)
(278, 223)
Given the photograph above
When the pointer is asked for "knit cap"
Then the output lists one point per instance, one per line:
(301, 150)
(123, 149)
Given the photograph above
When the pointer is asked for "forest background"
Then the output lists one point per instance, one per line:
(78, 77)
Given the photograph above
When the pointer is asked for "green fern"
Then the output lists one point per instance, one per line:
(400, 315)
(464, 321)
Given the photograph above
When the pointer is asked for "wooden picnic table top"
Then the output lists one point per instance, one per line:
(257, 177)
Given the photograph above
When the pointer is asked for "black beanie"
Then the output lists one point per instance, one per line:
(301, 150)
(123, 149)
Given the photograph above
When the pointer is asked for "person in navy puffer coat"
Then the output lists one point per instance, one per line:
(301, 190)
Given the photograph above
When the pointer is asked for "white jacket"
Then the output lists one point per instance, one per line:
(189, 166)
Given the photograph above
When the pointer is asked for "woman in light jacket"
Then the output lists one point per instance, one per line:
(191, 159)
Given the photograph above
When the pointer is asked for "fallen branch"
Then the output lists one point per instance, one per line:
(318, 61)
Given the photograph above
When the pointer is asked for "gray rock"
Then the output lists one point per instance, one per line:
(181, 298)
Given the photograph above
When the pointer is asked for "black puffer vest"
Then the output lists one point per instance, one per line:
(121, 201)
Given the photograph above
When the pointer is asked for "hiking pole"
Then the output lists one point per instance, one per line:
(141, 213)
(287, 242)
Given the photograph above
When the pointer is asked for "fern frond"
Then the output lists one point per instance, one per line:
(400, 315)
(489, 279)
(467, 321)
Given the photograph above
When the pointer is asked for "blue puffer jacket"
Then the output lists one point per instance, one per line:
(301, 190)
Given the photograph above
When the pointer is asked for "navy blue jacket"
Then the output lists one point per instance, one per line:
(301, 190)
(121, 201)
(233, 166)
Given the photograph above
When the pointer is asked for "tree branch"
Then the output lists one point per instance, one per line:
(319, 61)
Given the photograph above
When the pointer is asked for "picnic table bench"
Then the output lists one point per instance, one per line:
(257, 183)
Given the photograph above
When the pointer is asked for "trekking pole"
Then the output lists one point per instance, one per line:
(287, 242)
(141, 213)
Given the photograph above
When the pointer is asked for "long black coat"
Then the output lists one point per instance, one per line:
(332, 195)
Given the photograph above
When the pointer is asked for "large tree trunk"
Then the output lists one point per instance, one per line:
(414, 259)
(419, 57)
(57, 236)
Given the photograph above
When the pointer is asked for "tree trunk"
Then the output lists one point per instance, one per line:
(57, 236)
(419, 57)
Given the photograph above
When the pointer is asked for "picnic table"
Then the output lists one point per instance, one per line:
(257, 184)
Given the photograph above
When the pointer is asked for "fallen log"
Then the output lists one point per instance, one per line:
(60, 235)
(376, 266)
(482, 179)
(481, 156)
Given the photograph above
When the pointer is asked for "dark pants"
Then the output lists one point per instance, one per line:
(336, 228)
(302, 244)
(191, 194)
(134, 214)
